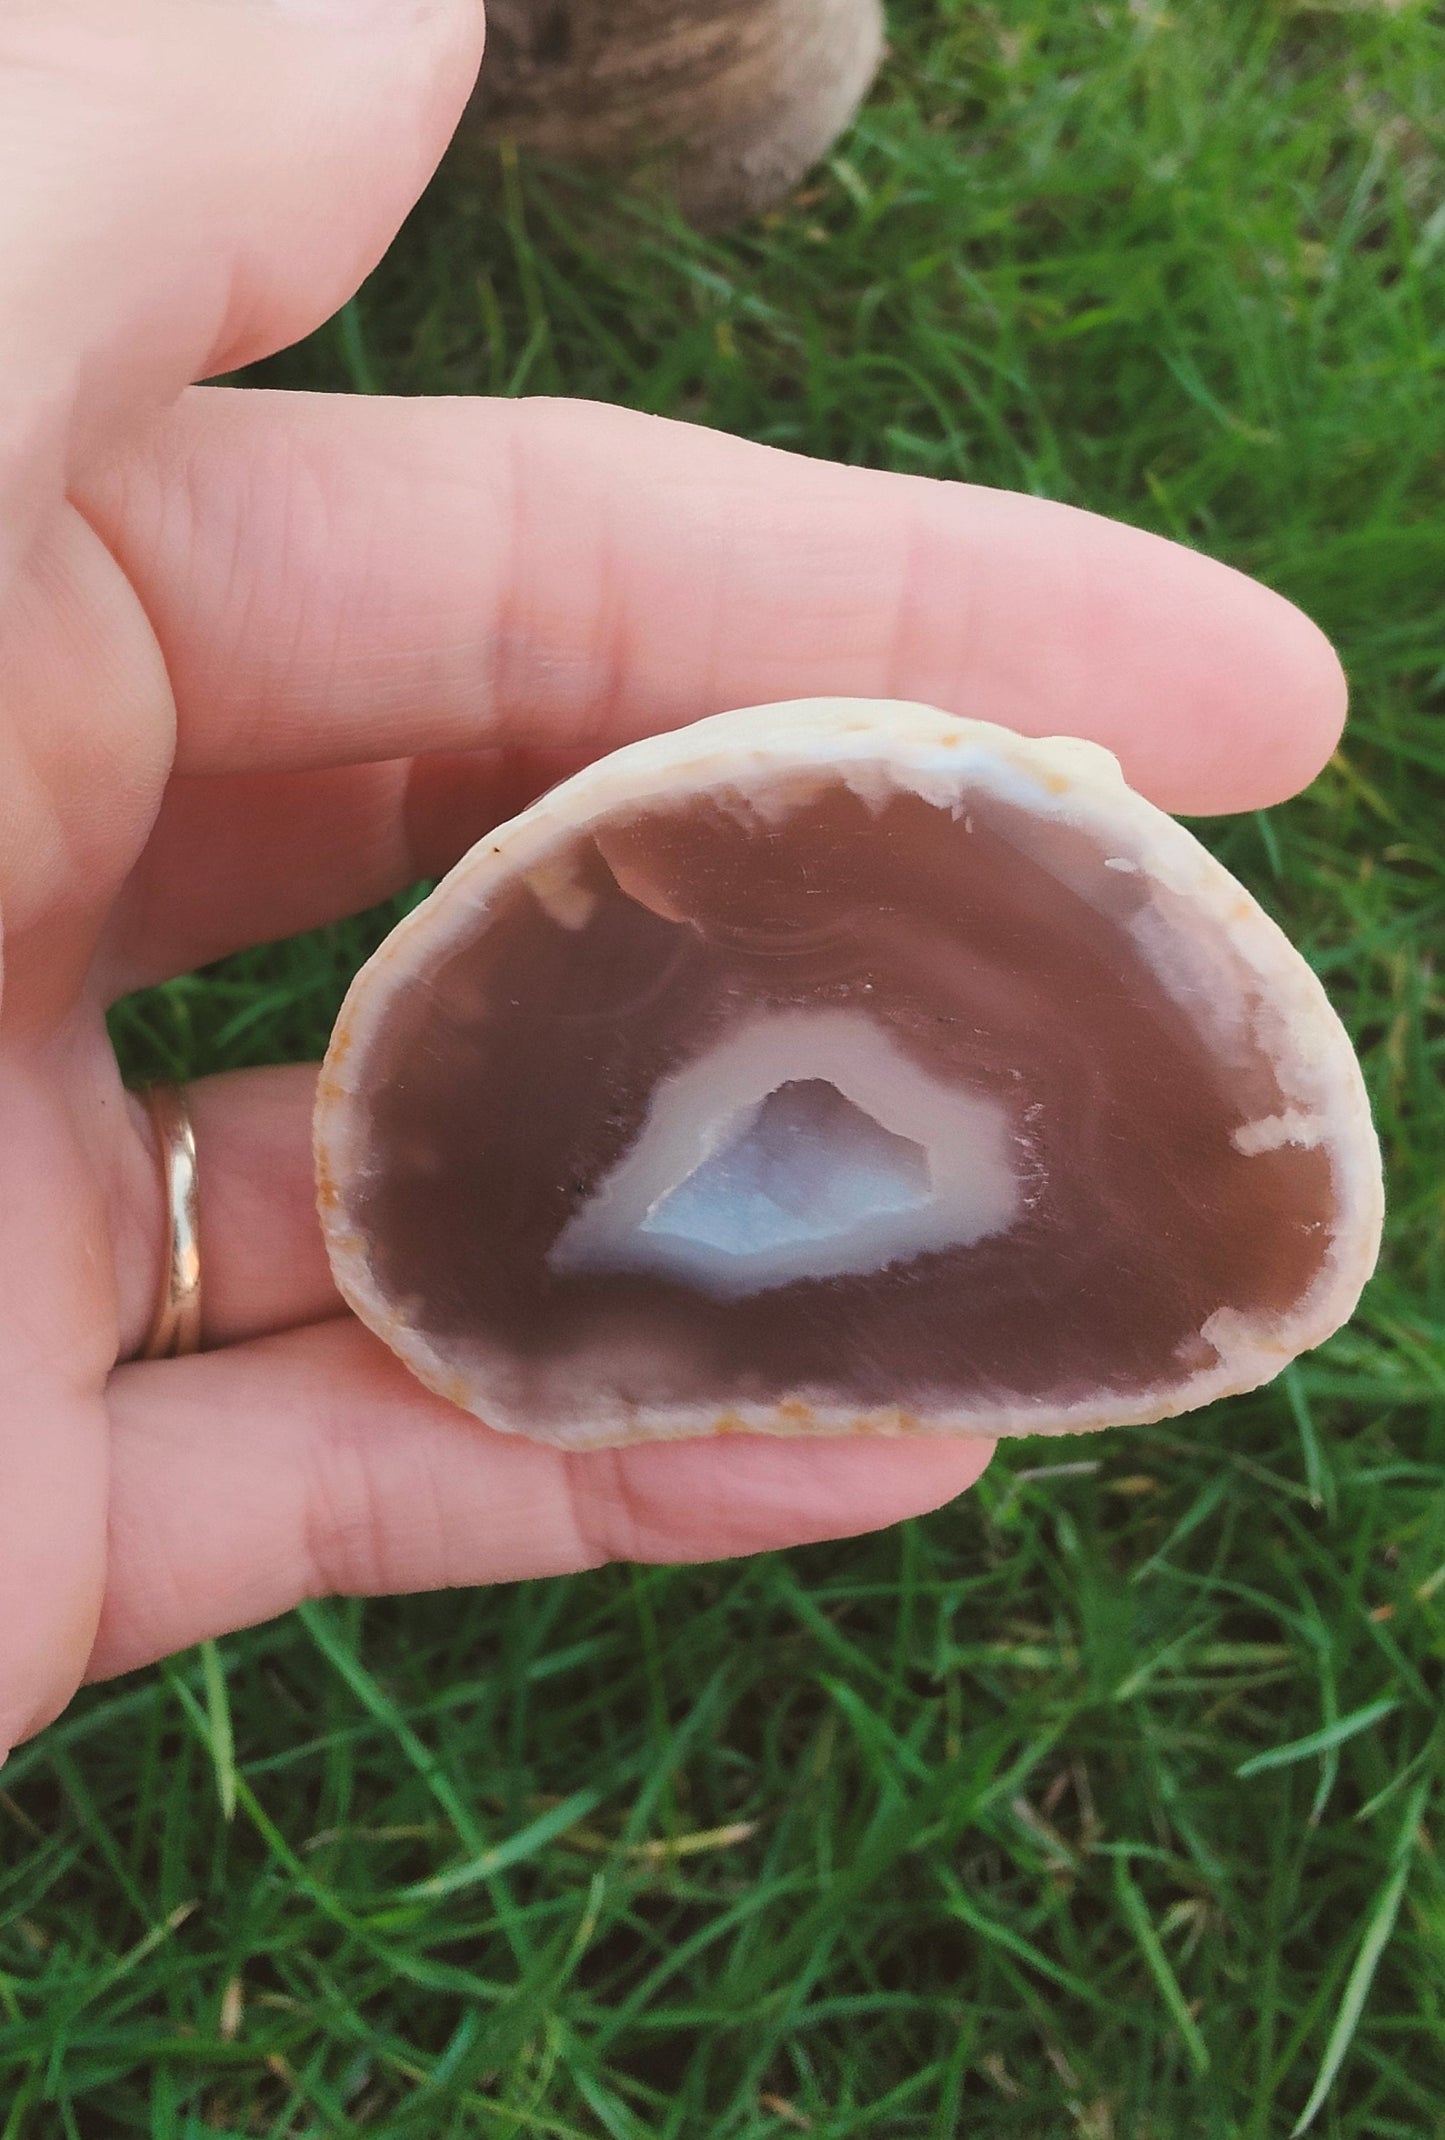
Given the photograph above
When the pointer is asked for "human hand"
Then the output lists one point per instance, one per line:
(265, 658)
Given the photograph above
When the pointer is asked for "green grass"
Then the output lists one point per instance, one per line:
(1106, 1803)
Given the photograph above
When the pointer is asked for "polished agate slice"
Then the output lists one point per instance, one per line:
(843, 1066)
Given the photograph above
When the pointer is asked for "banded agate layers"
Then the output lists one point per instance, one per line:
(843, 1066)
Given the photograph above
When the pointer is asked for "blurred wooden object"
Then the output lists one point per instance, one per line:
(734, 98)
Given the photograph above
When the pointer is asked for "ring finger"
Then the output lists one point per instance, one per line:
(263, 1263)
(245, 859)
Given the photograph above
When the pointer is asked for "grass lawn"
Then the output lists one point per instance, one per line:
(1106, 1803)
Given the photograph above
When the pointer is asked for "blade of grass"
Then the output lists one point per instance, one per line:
(1374, 1938)
(1136, 1913)
(1321, 1741)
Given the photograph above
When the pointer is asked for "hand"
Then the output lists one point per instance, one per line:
(265, 658)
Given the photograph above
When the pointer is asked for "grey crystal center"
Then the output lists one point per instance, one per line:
(804, 1165)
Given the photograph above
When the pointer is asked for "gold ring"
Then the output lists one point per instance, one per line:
(176, 1328)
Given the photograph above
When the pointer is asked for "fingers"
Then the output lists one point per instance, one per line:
(52, 1544)
(335, 581)
(263, 1261)
(55, 1345)
(311, 1463)
(187, 184)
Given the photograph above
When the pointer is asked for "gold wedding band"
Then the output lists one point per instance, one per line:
(176, 1328)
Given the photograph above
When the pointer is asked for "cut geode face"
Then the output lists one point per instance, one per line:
(843, 1066)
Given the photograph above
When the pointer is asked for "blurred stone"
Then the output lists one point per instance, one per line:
(731, 101)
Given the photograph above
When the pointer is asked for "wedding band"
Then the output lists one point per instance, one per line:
(176, 1328)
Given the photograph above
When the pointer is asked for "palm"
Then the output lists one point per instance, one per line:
(279, 655)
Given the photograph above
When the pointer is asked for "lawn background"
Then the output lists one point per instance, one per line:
(1104, 1803)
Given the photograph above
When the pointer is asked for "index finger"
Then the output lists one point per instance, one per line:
(336, 580)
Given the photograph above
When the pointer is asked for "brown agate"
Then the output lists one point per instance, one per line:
(843, 1066)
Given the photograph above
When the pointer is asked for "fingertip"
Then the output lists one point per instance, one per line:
(1215, 693)
(889, 1480)
(723, 1497)
(1316, 708)
(1270, 706)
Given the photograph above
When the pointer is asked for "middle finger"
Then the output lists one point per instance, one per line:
(242, 859)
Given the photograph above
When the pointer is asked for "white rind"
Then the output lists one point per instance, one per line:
(764, 759)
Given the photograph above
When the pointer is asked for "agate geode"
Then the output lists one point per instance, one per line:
(843, 1066)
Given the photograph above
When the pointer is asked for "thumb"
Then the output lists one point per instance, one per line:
(186, 185)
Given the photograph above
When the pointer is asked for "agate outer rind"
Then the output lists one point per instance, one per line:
(762, 760)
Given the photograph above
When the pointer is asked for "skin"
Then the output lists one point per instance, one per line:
(265, 658)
